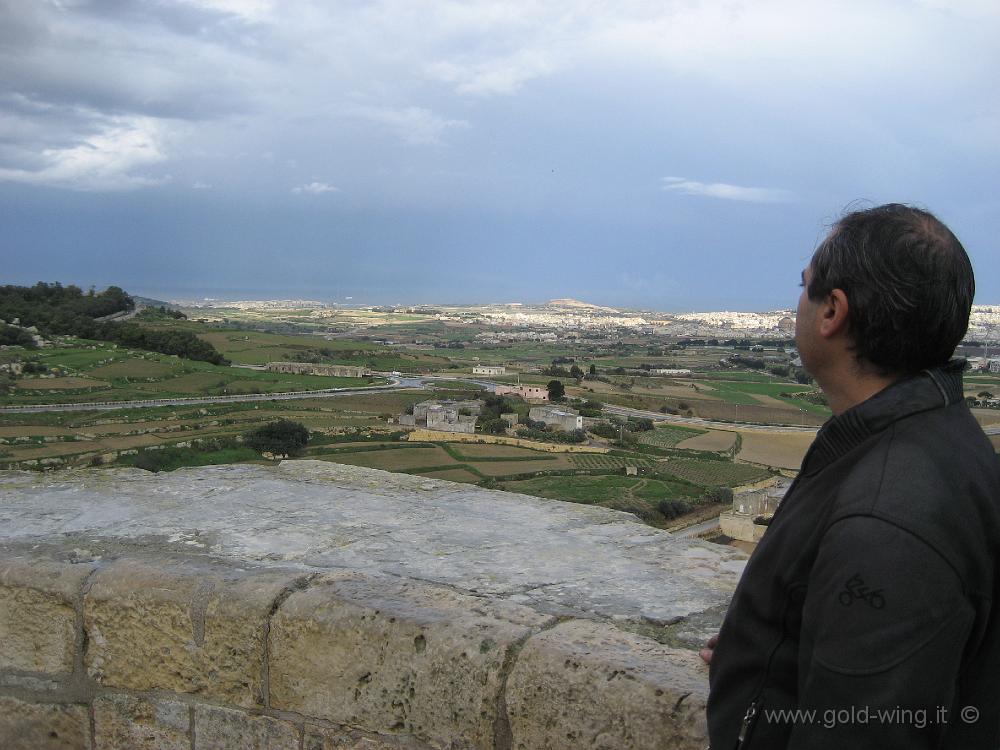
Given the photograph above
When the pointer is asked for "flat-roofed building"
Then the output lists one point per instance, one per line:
(527, 392)
(489, 370)
(559, 416)
(316, 368)
(445, 416)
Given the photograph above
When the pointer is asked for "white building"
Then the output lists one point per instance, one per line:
(488, 370)
(670, 372)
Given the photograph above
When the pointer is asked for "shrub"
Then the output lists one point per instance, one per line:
(673, 507)
(718, 495)
(283, 437)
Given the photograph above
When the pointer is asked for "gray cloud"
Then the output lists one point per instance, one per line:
(198, 81)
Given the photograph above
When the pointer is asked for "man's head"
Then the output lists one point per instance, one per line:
(903, 285)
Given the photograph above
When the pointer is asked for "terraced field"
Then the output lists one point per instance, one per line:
(604, 490)
(668, 437)
(604, 461)
(712, 473)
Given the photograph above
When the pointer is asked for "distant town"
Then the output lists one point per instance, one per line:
(559, 317)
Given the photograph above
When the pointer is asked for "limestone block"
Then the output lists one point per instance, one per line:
(321, 738)
(43, 726)
(181, 626)
(226, 729)
(37, 613)
(122, 721)
(390, 655)
(584, 684)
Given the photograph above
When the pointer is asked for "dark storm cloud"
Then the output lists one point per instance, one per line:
(636, 146)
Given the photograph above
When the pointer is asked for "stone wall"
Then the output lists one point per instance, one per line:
(122, 639)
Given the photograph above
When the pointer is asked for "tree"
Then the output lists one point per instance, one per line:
(556, 390)
(576, 372)
(493, 426)
(283, 437)
(593, 370)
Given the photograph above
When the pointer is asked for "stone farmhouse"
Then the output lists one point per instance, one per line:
(315, 368)
(527, 392)
(560, 416)
(489, 370)
(743, 522)
(445, 416)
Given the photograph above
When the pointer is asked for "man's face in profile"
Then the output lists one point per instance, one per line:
(805, 319)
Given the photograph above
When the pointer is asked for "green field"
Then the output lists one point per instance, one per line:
(605, 461)
(119, 374)
(641, 496)
(712, 473)
(668, 437)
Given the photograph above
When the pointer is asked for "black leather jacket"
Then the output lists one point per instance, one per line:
(867, 607)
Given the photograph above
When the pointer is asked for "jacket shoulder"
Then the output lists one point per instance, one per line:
(935, 475)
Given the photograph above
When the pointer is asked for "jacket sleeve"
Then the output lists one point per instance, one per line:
(884, 626)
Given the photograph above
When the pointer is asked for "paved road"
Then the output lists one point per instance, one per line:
(706, 423)
(397, 384)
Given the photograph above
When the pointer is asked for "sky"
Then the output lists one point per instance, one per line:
(644, 154)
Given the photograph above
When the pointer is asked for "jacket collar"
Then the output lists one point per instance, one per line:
(926, 390)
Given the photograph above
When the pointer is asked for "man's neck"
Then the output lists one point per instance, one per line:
(851, 386)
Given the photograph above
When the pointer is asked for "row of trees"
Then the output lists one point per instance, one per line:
(47, 305)
(67, 310)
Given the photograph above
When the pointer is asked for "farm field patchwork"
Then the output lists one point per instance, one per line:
(668, 436)
(712, 473)
(395, 459)
(556, 462)
(712, 440)
(600, 490)
(785, 450)
(60, 384)
(103, 372)
(451, 475)
(987, 417)
(605, 461)
(471, 451)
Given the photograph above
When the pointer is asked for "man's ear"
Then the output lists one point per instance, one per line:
(834, 315)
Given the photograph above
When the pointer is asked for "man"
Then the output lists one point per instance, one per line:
(865, 616)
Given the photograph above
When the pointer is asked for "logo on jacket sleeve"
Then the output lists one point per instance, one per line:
(855, 589)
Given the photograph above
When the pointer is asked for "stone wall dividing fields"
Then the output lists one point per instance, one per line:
(164, 651)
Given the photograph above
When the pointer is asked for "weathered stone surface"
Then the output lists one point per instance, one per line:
(320, 738)
(387, 655)
(122, 721)
(561, 558)
(225, 729)
(31, 682)
(37, 613)
(43, 726)
(587, 685)
(182, 626)
(409, 643)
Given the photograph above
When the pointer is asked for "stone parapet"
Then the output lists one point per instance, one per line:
(178, 653)
(133, 640)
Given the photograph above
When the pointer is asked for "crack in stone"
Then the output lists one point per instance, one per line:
(299, 584)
